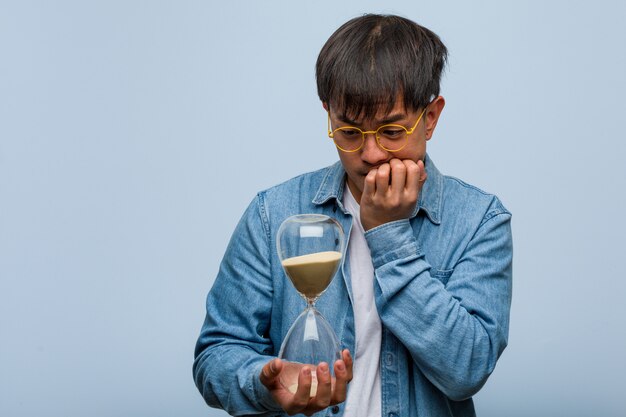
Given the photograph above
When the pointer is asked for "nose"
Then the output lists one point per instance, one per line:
(371, 152)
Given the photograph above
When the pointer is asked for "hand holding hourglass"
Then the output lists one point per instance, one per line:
(310, 373)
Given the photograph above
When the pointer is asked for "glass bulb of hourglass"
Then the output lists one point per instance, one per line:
(310, 247)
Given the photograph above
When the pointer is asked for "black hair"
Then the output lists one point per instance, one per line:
(372, 59)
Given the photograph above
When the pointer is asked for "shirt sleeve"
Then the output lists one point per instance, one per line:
(234, 344)
(456, 331)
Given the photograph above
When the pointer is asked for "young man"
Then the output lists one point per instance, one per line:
(423, 297)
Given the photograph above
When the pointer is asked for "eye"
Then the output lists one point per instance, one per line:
(350, 132)
(392, 132)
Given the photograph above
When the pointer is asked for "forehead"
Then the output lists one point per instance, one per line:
(378, 114)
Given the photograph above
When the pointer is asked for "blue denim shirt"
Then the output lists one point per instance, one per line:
(442, 290)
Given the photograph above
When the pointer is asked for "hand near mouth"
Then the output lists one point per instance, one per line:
(390, 192)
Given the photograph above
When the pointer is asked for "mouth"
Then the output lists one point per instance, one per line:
(370, 168)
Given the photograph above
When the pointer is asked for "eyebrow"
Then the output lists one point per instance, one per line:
(388, 119)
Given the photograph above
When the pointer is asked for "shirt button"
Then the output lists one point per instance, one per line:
(389, 360)
(335, 409)
(393, 415)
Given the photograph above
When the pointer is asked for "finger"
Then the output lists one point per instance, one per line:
(398, 175)
(412, 175)
(423, 174)
(303, 393)
(369, 186)
(270, 372)
(382, 179)
(347, 359)
(340, 389)
(343, 375)
(324, 389)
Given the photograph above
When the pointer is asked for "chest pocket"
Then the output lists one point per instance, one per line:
(442, 275)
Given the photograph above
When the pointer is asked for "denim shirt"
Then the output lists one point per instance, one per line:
(442, 287)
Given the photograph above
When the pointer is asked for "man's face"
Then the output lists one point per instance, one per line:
(371, 155)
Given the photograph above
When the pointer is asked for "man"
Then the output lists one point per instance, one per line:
(423, 297)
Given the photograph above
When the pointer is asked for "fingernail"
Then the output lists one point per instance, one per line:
(341, 366)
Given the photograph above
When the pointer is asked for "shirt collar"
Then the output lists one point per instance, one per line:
(430, 199)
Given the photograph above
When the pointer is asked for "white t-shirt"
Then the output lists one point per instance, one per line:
(364, 398)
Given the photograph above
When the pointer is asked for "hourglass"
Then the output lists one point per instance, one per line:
(310, 247)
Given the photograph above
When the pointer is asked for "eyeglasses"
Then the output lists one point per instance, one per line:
(390, 137)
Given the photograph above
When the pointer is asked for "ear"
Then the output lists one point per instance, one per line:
(432, 115)
(325, 105)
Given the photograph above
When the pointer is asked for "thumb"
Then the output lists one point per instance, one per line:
(423, 174)
(270, 372)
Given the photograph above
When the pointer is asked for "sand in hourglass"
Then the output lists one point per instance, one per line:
(312, 273)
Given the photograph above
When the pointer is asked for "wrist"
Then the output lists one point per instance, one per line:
(391, 241)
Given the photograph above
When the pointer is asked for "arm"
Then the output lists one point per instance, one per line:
(455, 333)
(233, 368)
(234, 345)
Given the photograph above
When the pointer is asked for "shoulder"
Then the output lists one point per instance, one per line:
(460, 196)
(473, 195)
(449, 200)
(308, 182)
(316, 187)
(297, 195)
(470, 218)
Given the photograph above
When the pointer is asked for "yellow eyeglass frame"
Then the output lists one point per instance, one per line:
(331, 134)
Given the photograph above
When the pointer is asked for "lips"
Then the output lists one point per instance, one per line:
(371, 168)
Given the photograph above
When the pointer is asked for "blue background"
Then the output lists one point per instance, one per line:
(134, 133)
